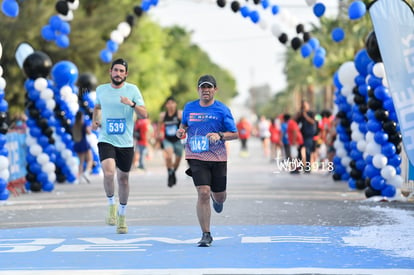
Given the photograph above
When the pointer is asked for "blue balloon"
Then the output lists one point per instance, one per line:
(145, 5)
(389, 105)
(106, 55)
(4, 195)
(254, 16)
(306, 50)
(378, 183)
(3, 185)
(381, 137)
(318, 60)
(361, 61)
(389, 191)
(314, 42)
(55, 22)
(374, 125)
(319, 9)
(65, 28)
(363, 89)
(360, 164)
(388, 149)
(352, 183)
(265, 4)
(48, 187)
(10, 8)
(395, 160)
(48, 33)
(371, 171)
(35, 132)
(64, 73)
(356, 10)
(42, 177)
(4, 105)
(336, 80)
(244, 11)
(112, 46)
(382, 93)
(338, 34)
(62, 41)
(275, 9)
(320, 51)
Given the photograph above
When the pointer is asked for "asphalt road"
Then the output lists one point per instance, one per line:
(262, 201)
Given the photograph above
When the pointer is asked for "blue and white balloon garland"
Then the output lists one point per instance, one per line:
(4, 161)
(58, 27)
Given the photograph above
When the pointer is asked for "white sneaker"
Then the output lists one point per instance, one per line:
(85, 176)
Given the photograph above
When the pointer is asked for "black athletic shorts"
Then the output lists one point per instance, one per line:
(123, 156)
(212, 173)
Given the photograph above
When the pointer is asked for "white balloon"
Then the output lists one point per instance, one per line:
(117, 37)
(51, 177)
(43, 158)
(67, 17)
(369, 136)
(1, 50)
(65, 91)
(347, 90)
(5, 174)
(396, 181)
(276, 31)
(385, 82)
(379, 70)
(4, 162)
(2, 83)
(51, 104)
(350, 99)
(30, 140)
(310, 2)
(263, 24)
(357, 136)
(73, 5)
(49, 168)
(379, 161)
(341, 153)
(124, 28)
(35, 149)
(66, 154)
(40, 83)
(345, 161)
(361, 145)
(1, 71)
(46, 94)
(373, 148)
(347, 73)
(388, 172)
(92, 96)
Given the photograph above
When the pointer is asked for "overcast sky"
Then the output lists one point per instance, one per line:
(249, 51)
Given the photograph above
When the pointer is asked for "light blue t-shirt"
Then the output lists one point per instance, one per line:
(117, 122)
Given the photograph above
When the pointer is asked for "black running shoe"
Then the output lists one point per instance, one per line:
(172, 180)
(218, 207)
(206, 240)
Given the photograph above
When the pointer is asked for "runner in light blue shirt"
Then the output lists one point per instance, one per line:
(114, 110)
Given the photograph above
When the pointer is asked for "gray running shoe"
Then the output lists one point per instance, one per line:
(206, 240)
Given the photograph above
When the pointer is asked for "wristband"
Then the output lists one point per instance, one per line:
(221, 135)
(133, 104)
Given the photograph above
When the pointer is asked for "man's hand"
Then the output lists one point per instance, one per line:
(181, 133)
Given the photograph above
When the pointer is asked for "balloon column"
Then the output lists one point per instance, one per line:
(41, 153)
(369, 140)
(4, 161)
(65, 74)
(58, 27)
(383, 137)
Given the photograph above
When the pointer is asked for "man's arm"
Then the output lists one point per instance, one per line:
(96, 117)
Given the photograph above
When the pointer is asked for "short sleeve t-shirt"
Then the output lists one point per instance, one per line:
(201, 121)
(117, 122)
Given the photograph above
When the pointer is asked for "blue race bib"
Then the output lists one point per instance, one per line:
(115, 126)
(199, 144)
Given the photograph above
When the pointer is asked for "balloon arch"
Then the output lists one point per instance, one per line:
(368, 144)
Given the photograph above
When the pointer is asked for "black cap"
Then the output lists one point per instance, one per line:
(120, 61)
(207, 79)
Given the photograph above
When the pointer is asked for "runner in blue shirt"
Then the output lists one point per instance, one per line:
(207, 123)
(114, 110)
